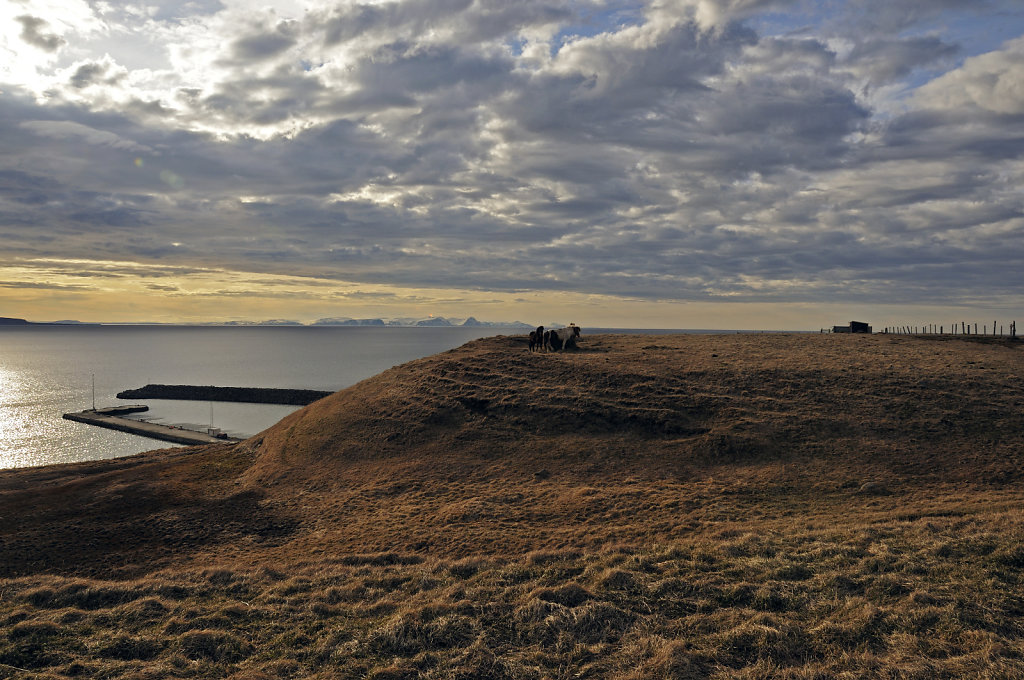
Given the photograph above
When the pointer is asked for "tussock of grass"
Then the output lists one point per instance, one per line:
(129, 648)
(381, 559)
(212, 645)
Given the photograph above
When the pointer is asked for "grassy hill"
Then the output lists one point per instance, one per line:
(646, 507)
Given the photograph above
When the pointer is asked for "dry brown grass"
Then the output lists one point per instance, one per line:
(647, 507)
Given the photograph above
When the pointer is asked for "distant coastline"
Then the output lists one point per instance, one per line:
(431, 322)
(12, 321)
(403, 322)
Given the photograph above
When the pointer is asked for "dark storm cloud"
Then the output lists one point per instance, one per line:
(796, 109)
(468, 22)
(978, 137)
(261, 100)
(348, 23)
(265, 43)
(616, 84)
(404, 69)
(33, 31)
(26, 188)
(93, 73)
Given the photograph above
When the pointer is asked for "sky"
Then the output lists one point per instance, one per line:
(764, 164)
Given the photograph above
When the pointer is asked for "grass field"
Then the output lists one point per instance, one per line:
(748, 506)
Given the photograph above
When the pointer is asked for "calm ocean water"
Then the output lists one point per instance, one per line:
(46, 371)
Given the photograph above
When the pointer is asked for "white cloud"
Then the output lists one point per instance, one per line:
(993, 82)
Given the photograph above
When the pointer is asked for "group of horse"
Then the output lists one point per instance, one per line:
(554, 340)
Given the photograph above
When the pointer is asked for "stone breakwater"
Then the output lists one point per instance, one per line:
(251, 395)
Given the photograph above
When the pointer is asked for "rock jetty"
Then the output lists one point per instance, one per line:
(251, 395)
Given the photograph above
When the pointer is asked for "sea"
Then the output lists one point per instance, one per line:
(49, 370)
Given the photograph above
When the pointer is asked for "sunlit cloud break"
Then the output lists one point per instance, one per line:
(676, 155)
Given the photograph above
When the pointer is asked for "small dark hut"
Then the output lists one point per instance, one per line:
(854, 327)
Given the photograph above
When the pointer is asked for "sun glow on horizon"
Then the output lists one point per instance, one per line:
(112, 291)
(47, 289)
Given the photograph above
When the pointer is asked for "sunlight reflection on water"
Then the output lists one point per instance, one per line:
(45, 371)
(32, 431)
(15, 419)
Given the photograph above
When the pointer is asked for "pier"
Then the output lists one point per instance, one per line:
(112, 419)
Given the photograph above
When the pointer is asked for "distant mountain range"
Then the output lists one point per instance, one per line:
(439, 321)
(430, 321)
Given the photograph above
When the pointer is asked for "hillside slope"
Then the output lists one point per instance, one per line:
(647, 506)
(537, 450)
(509, 443)
(687, 399)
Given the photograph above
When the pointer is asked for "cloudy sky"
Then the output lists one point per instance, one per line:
(672, 163)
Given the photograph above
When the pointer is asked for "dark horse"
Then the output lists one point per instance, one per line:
(537, 339)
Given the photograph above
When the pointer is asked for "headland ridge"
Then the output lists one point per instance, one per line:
(644, 506)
